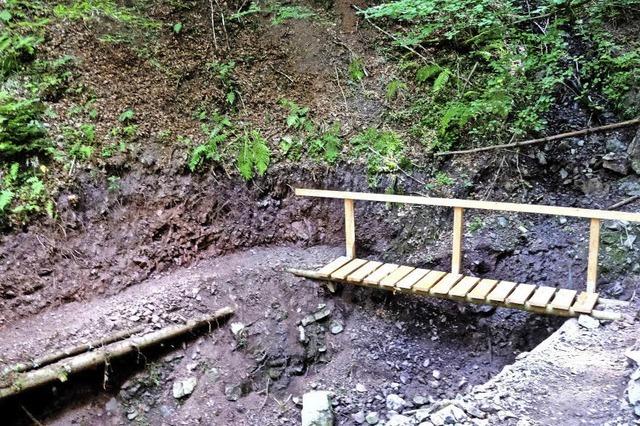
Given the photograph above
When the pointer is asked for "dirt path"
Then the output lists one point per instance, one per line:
(383, 344)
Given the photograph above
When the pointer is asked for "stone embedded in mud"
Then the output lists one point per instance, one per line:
(588, 322)
(184, 387)
(233, 392)
(372, 418)
(634, 153)
(316, 409)
(395, 402)
(399, 420)
(633, 392)
(336, 327)
(236, 328)
(616, 162)
(448, 415)
(358, 417)
(360, 388)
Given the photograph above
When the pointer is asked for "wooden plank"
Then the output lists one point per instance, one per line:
(398, 274)
(350, 267)
(463, 287)
(424, 285)
(363, 272)
(350, 228)
(594, 246)
(502, 290)
(456, 251)
(585, 302)
(563, 300)
(480, 292)
(412, 278)
(473, 204)
(541, 297)
(333, 266)
(520, 294)
(379, 274)
(445, 285)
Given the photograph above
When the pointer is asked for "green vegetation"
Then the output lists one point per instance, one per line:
(493, 71)
(224, 72)
(384, 152)
(282, 13)
(319, 142)
(356, 70)
(225, 142)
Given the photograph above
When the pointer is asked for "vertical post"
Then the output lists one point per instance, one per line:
(594, 245)
(350, 227)
(456, 255)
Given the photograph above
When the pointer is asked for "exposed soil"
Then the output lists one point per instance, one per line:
(389, 342)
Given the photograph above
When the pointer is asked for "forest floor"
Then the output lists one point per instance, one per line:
(366, 346)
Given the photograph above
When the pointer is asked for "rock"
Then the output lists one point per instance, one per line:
(316, 409)
(436, 374)
(633, 356)
(322, 314)
(360, 388)
(399, 420)
(394, 402)
(613, 144)
(592, 186)
(588, 322)
(184, 387)
(634, 153)
(448, 415)
(358, 417)
(233, 392)
(336, 327)
(111, 406)
(426, 363)
(236, 328)
(504, 415)
(633, 392)
(617, 162)
(372, 418)
(421, 414)
(419, 400)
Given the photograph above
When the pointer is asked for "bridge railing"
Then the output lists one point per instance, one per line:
(459, 205)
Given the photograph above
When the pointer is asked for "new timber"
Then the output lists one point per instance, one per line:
(453, 285)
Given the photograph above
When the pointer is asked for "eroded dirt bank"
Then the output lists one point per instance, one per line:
(383, 344)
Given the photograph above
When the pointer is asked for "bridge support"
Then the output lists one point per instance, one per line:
(594, 245)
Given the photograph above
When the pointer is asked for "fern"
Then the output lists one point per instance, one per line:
(6, 196)
(253, 156)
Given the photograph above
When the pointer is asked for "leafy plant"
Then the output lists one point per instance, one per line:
(297, 117)
(356, 70)
(126, 116)
(224, 72)
(254, 155)
(282, 13)
(383, 151)
(21, 128)
(394, 88)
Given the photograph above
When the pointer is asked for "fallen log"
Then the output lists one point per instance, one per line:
(545, 139)
(71, 351)
(16, 383)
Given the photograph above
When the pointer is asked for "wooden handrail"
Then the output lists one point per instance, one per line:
(459, 205)
(473, 204)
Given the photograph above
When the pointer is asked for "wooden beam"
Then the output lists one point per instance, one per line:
(473, 204)
(594, 246)
(350, 228)
(458, 233)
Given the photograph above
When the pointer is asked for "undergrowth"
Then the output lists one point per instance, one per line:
(491, 71)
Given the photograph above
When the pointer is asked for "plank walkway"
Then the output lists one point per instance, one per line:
(451, 286)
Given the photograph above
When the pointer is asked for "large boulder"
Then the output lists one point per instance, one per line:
(316, 409)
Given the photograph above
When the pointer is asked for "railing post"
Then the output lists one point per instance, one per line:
(350, 227)
(456, 255)
(594, 245)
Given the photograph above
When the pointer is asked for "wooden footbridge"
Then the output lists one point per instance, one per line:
(454, 285)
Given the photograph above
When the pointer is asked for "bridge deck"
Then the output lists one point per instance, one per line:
(451, 286)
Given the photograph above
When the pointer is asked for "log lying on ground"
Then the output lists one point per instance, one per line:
(545, 139)
(20, 382)
(70, 351)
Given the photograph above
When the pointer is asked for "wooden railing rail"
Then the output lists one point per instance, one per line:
(595, 216)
